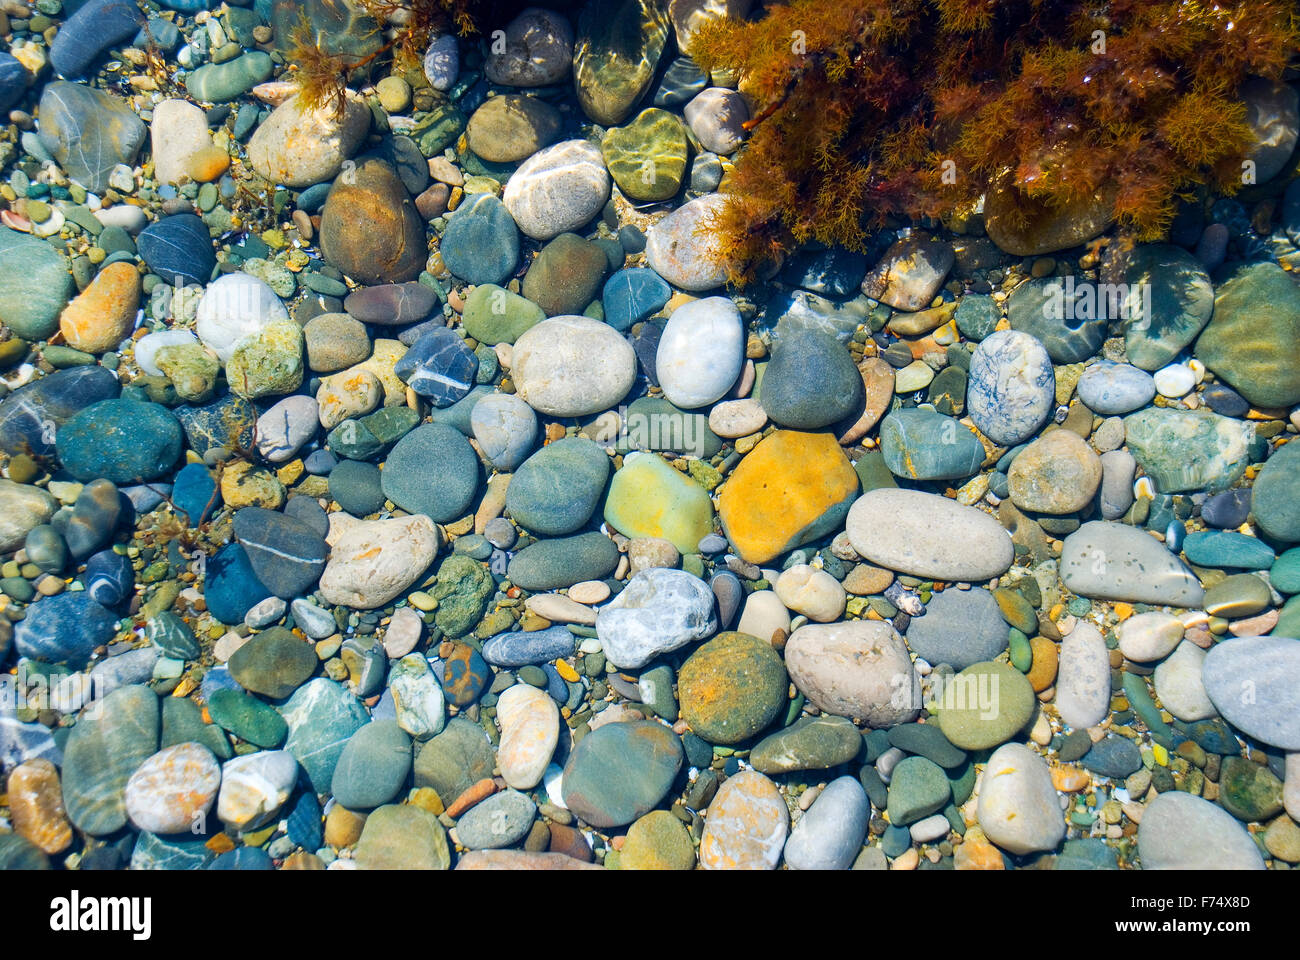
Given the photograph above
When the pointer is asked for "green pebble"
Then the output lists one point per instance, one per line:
(1022, 655)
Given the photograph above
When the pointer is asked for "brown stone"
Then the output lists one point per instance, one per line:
(877, 392)
(1026, 228)
(570, 842)
(370, 228)
(343, 827)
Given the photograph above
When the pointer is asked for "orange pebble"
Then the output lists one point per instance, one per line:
(1069, 779)
(475, 794)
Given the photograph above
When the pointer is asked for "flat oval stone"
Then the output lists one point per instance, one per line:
(858, 669)
(1057, 312)
(1115, 388)
(1017, 807)
(984, 705)
(556, 564)
(373, 766)
(558, 189)
(65, 628)
(746, 825)
(810, 743)
(1112, 561)
(829, 835)
(254, 787)
(481, 242)
(1227, 548)
(433, 450)
(1180, 831)
(391, 304)
(530, 729)
(929, 536)
(519, 648)
(959, 627)
(685, 255)
(439, 366)
(1083, 677)
(178, 249)
(112, 737)
(286, 554)
(1255, 683)
(621, 771)
(571, 366)
(274, 663)
(31, 415)
(1189, 450)
(172, 790)
(501, 820)
(701, 352)
(89, 132)
(556, 490)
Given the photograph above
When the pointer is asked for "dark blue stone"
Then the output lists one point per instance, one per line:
(1227, 510)
(320, 462)
(13, 80)
(304, 826)
(109, 578)
(64, 628)
(1225, 401)
(481, 243)
(178, 248)
(529, 646)
(833, 273)
(31, 415)
(120, 440)
(90, 31)
(633, 295)
(439, 366)
(232, 588)
(286, 555)
(194, 493)
(245, 858)
(555, 685)
(1113, 756)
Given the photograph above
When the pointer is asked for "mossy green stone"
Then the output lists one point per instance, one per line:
(731, 688)
(1253, 340)
(462, 592)
(811, 743)
(658, 841)
(248, 718)
(182, 722)
(191, 369)
(616, 53)
(269, 363)
(647, 158)
(1248, 790)
(35, 286)
(562, 562)
(273, 663)
(495, 315)
(1016, 610)
(985, 705)
(403, 838)
(1022, 652)
(648, 498)
(917, 788)
(566, 275)
(455, 759)
(1275, 498)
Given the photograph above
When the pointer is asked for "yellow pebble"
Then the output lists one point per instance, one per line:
(566, 671)
(1161, 754)
(422, 601)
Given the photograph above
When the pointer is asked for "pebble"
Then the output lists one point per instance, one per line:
(1110, 561)
(1011, 387)
(810, 358)
(927, 535)
(297, 146)
(620, 772)
(1110, 389)
(1183, 832)
(659, 610)
(684, 255)
(830, 834)
(529, 723)
(558, 189)
(701, 352)
(255, 787)
(1083, 678)
(374, 561)
(572, 367)
(1259, 702)
(1150, 636)
(731, 687)
(959, 628)
(1017, 807)
(173, 789)
(746, 825)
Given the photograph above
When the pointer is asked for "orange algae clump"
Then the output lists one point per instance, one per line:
(793, 487)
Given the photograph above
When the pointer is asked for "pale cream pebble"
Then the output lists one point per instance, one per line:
(505, 354)
(589, 592)
(811, 592)
(1041, 733)
(737, 418)
(910, 859)
(226, 646)
(560, 609)
(620, 572)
